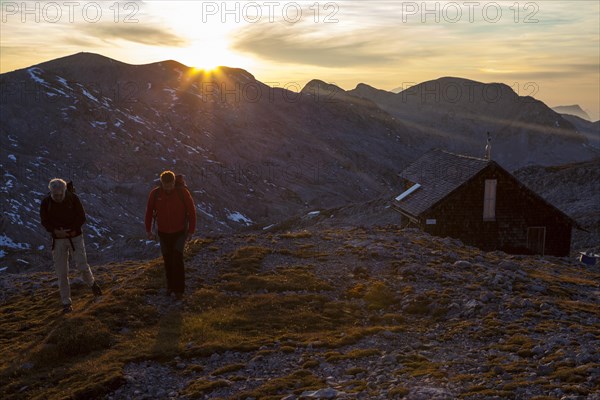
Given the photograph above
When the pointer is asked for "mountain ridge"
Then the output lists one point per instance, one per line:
(574, 109)
(253, 155)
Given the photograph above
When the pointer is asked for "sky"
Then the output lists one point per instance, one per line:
(548, 49)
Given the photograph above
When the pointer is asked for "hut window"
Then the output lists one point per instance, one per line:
(489, 200)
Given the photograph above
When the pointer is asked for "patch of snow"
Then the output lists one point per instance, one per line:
(236, 216)
(5, 241)
(88, 94)
(136, 119)
(33, 74)
(192, 149)
(2, 253)
(97, 124)
(12, 157)
(14, 217)
(205, 212)
(313, 214)
(56, 90)
(63, 82)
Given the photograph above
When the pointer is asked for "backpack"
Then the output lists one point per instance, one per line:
(68, 196)
(180, 186)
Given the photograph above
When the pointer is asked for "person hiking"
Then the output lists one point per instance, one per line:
(62, 214)
(172, 207)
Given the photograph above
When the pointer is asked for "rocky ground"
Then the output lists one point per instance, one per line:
(348, 313)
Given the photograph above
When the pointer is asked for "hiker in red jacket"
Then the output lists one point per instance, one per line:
(172, 206)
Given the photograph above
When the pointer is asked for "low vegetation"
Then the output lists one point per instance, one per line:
(282, 297)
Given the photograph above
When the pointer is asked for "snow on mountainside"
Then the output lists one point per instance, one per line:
(245, 148)
(253, 155)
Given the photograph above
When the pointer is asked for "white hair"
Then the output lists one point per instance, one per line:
(57, 184)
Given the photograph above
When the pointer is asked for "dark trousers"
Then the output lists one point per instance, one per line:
(171, 247)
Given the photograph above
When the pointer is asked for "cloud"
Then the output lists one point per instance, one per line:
(148, 35)
(296, 44)
(557, 71)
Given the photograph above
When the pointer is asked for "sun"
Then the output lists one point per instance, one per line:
(205, 66)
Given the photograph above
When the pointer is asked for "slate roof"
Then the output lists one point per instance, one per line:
(439, 173)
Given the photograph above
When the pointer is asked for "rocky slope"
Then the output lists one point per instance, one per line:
(346, 313)
(253, 155)
(591, 130)
(250, 152)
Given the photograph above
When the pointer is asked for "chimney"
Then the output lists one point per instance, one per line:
(488, 148)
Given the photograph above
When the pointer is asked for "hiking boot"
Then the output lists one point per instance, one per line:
(67, 308)
(96, 290)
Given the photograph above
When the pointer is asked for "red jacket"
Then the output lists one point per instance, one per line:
(170, 211)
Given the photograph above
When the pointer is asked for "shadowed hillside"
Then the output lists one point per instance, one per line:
(253, 155)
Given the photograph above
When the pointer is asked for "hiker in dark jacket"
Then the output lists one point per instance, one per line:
(172, 206)
(62, 214)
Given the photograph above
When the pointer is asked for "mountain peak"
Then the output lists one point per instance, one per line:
(170, 64)
(321, 86)
(80, 60)
(365, 86)
(236, 73)
(574, 109)
(366, 91)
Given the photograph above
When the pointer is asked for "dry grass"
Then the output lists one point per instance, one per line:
(248, 258)
(280, 280)
(80, 355)
(253, 304)
(301, 381)
(296, 235)
(378, 295)
(228, 369)
(199, 388)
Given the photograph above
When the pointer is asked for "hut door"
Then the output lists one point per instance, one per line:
(536, 237)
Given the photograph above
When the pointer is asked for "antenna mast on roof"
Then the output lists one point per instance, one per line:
(488, 148)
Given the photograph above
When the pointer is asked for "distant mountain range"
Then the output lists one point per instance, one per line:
(575, 110)
(252, 155)
(457, 113)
